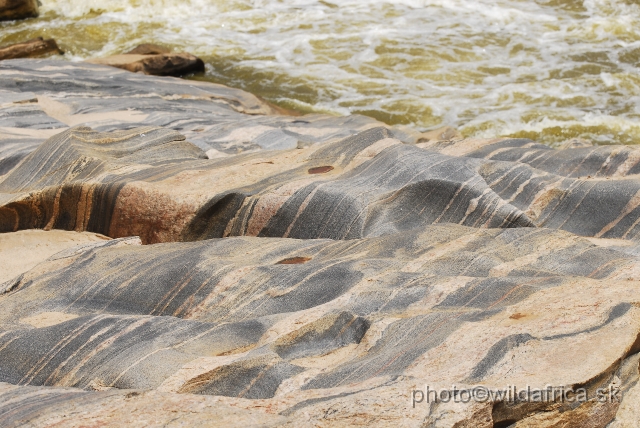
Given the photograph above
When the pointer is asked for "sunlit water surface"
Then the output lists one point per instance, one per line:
(548, 70)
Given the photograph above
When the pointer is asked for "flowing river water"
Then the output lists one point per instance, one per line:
(543, 69)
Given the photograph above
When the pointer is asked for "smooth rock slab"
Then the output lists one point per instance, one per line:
(23, 250)
(22, 406)
(303, 328)
(220, 120)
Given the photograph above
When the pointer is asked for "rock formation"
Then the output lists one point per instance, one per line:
(18, 9)
(313, 270)
(30, 49)
(154, 60)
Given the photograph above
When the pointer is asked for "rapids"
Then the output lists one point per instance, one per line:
(548, 70)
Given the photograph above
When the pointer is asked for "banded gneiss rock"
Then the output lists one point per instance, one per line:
(303, 270)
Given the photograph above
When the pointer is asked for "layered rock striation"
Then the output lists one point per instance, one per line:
(310, 270)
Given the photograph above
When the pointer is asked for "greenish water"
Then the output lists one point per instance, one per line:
(548, 70)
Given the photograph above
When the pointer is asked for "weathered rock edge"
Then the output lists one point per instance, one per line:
(150, 182)
(30, 49)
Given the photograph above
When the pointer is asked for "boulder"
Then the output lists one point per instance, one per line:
(18, 9)
(30, 49)
(154, 60)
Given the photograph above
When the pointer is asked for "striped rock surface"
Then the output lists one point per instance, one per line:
(150, 182)
(326, 281)
(331, 331)
(40, 98)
